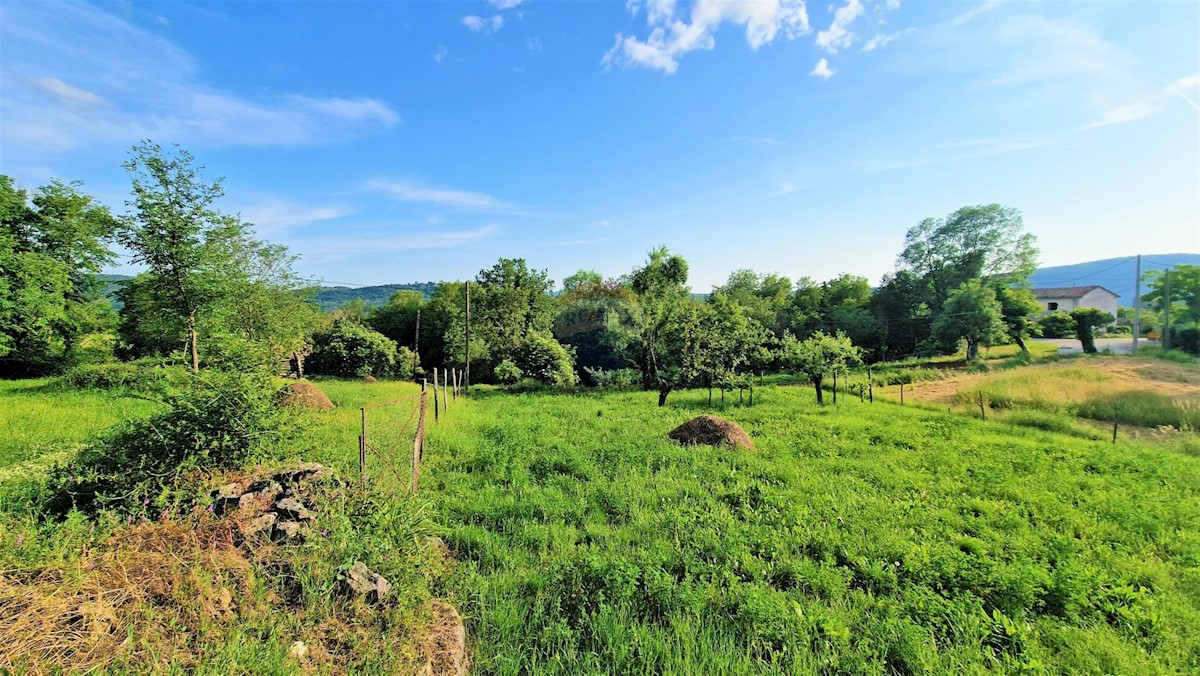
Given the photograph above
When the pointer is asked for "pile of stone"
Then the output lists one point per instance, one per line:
(274, 506)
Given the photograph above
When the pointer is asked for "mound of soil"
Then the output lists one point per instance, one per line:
(370, 379)
(301, 394)
(711, 430)
(445, 642)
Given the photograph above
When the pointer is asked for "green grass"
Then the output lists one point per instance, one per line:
(38, 418)
(858, 539)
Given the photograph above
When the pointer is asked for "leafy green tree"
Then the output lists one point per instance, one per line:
(513, 302)
(728, 341)
(902, 306)
(986, 241)
(971, 313)
(51, 248)
(1019, 309)
(1057, 324)
(1087, 319)
(818, 355)
(765, 298)
(1185, 292)
(397, 319)
(542, 358)
(350, 349)
(678, 355)
(661, 288)
(178, 235)
(597, 319)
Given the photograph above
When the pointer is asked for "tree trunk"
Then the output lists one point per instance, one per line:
(195, 349)
(835, 387)
(1021, 343)
(972, 350)
(820, 395)
(662, 395)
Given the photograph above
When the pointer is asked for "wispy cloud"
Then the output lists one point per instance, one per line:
(822, 70)
(839, 35)
(504, 4)
(406, 191)
(274, 215)
(671, 35)
(66, 92)
(481, 24)
(441, 54)
(61, 56)
(883, 40)
(328, 248)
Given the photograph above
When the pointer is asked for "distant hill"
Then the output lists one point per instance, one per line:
(332, 297)
(1114, 274)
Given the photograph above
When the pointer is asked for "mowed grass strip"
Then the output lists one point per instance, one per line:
(858, 539)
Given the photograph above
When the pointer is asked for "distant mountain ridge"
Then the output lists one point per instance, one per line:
(1114, 274)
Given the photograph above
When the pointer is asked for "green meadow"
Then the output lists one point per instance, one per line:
(856, 538)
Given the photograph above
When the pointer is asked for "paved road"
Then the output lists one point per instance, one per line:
(1117, 345)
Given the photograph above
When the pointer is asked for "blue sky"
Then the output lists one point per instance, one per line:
(401, 141)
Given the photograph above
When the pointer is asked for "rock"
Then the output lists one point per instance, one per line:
(260, 523)
(293, 509)
(289, 530)
(711, 430)
(298, 651)
(231, 491)
(261, 496)
(362, 581)
(446, 641)
(370, 379)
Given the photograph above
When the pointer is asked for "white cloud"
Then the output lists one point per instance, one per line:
(671, 36)
(534, 44)
(838, 35)
(483, 24)
(504, 4)
(883, 39)
(441, 54)
(761, 140)
(329, 248)
(407, 191)
(65, 92)
(822, 70)
(274, 216)
(150, 87)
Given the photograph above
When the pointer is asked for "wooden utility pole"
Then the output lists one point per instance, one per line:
(435, 397)
(1137, 303)
(1166, 337)
(467, 371)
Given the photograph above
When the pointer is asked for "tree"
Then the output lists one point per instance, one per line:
(677, 358)
(1019, 309)
(397, 319)
(727, 341)
(971, 313)
(817, 355)
(51, 248)
(1057, 324)
(986, 241)
(350, 349)
(661, 288)
(1086, 321)
(1185, 292)
(178, 235)
(597, 319)
(902, 305)
(765, 298)
(513, 302)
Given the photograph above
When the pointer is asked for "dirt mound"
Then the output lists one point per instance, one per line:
(711, 430)
(369, 379)
(301, 394)
(446, 642)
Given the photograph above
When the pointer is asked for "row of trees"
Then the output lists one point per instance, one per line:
(213, 294)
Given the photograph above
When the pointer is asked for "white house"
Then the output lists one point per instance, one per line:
(1070, 297)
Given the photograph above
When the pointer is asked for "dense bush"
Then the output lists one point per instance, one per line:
(1187, 340)
(615, 379)
(408, 364)
(543, 359)
(217, 420)
(507, 373)
(351, 349)
(1057, 324)
(142, 375)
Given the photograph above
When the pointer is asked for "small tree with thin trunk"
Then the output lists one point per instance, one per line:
(175, 232)
(817, 355)
(1086, 321)
(971, 313)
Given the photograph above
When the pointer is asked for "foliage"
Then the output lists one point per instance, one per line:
(1087, 319)
(347, 348)
(817, 356)
(597, 319)
(508, 373)
(216, 420)
(662, 292)
(398, 318)
(51, 248)
(1019, 309)
(1057, 324)
(543, 359)
(615, 379)
(142, 375)
(1187, 340)
(971, 313)
(1185, 292)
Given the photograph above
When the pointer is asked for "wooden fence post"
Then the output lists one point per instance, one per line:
(870, 386)
(435, 401)
(901, 394)
(1114, 428)
(445, 384)
(454, 384)
(982, 412)
(835, 386)
(419, 441)
(362, 453)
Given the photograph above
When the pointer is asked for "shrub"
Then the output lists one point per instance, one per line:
(351, 349)
(142, 375)
(615, 379)
(508, 373)
(218, 420)
(1187, 340)
(408, 363)
(1057, 324)
(542, 358)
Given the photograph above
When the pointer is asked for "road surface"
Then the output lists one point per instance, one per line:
(1123, 345)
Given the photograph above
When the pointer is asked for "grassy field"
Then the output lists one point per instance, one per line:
(858, 538)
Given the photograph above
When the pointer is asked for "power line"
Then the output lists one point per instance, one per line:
(1090, 274)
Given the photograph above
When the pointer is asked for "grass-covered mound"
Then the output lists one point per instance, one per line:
(860, 539)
